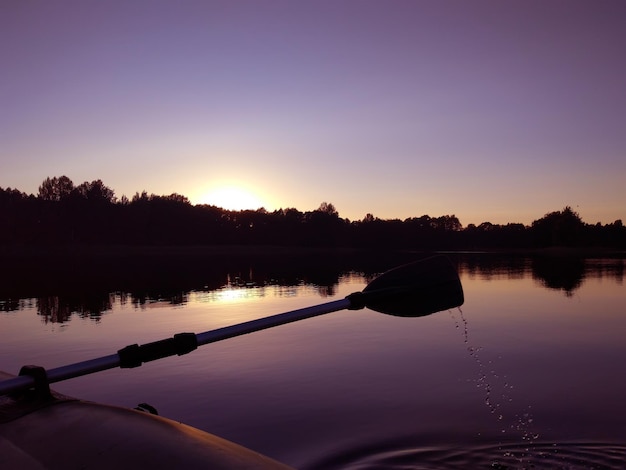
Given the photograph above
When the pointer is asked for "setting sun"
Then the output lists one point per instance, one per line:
(233, 198)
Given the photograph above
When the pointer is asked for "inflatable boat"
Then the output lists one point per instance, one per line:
(52, 431)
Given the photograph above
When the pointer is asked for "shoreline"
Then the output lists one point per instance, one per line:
(212, 251)
(165, 250)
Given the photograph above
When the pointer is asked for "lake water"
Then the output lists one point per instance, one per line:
(528, 373)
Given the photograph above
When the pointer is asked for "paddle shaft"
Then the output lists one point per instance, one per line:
(79, 369)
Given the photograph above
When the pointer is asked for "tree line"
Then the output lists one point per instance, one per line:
(90, 213)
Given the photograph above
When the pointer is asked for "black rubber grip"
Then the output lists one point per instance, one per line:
(135, 355)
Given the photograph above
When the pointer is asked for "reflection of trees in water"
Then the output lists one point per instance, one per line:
(607, 268)
(13, 304)
(489, 266)
(93, 304)
(92, 291)
(569, 273)
(59, 309)
(143, 298)
(564, 274)
(53, 309)
(553, 272)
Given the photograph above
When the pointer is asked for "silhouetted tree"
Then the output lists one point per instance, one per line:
(559, 228)
(328, 208)
(95, 192)
(56, 189)
(143, 197)
(324, 227)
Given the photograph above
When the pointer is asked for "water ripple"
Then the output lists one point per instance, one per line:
(563, 456)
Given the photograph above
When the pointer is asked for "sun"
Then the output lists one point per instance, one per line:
(233, 198)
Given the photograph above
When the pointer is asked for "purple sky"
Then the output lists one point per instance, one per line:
(493, 111)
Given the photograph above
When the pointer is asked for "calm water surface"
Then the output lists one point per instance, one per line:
(529, 373)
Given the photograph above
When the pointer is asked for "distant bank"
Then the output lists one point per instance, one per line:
(34, 251)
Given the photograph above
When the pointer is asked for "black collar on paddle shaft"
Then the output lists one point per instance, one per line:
(135, 355)
(412, 290)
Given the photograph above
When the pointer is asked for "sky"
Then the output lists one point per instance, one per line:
(493, 111)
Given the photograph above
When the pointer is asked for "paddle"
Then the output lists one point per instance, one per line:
(412, 290)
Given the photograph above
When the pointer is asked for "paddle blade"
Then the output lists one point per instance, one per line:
(415, 289)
